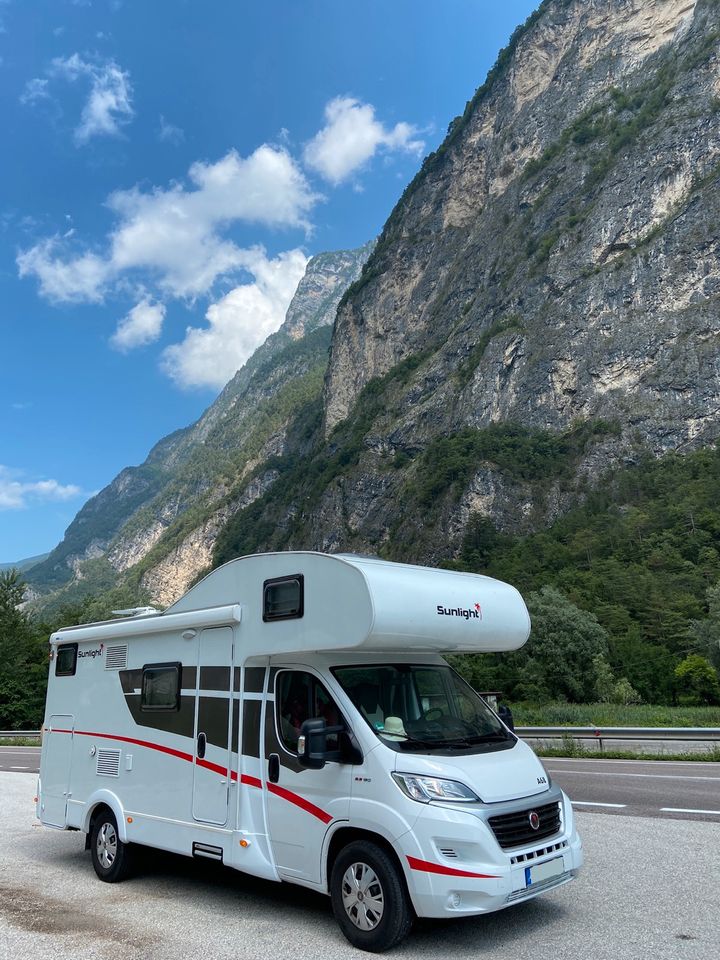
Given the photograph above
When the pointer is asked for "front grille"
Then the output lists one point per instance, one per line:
(514, 830)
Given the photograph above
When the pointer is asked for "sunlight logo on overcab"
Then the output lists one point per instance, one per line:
(91, 653)
(467, 613)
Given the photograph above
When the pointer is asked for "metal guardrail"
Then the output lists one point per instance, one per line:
(619, 733)
(555, 733)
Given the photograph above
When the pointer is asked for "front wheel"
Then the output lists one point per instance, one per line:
(110, 857)
(369, 898)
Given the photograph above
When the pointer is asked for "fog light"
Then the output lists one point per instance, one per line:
(454, 901)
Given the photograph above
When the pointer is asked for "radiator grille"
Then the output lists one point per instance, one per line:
(108, 763)
(116, 657)
(542, 852)
(514, 830)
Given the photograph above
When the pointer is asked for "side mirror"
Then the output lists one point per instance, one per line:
(505, 714)
(312, 744)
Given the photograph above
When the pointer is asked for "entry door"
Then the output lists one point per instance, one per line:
(213, 718)
(55, 768)
(301, 803)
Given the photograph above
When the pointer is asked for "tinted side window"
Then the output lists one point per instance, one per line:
(66, 660)
(161, 686)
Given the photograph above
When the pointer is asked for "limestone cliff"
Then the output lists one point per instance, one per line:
(552, 267)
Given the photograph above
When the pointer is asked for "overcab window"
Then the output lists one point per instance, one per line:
(283, 598)
(66, 660)
(161, 686)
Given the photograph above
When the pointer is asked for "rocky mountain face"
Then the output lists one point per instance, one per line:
(542, 302)
(154, 526)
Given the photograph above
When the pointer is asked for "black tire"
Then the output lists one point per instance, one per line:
(111, 859)
(369, 897)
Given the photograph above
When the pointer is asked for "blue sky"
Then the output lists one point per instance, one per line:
(167, 169)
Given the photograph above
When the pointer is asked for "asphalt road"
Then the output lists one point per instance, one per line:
(652, 788)
(648, 892)
(667, 789)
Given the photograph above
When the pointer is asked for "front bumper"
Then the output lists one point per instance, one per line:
(455, 867)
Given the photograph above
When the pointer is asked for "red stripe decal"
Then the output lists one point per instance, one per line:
(245, 779)
(299, 802)
(426, 867)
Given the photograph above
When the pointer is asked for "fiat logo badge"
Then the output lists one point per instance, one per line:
(534, 820)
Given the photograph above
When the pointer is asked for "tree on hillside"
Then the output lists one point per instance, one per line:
(23, 659)
(705, 634)
(560, 660)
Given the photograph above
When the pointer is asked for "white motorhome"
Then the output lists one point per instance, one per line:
(292, 717)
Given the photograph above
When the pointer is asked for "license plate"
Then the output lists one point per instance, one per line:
(543, 871)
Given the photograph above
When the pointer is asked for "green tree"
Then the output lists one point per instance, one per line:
(23, 659)
(698, 679)
(559, 661)
(705, 634)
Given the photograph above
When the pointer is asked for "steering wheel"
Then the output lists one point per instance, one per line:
(434, 713)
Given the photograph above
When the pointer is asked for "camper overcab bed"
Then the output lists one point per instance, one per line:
(292, 717)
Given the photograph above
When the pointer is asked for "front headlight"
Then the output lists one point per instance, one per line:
(426, 789)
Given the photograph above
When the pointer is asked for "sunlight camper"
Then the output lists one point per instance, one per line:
(292, 717)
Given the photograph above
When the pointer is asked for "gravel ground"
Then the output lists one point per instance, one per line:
(649, 890)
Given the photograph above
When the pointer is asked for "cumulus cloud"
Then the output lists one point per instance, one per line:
(352, 136)
(141, 326)
(16, 493)
(79, 279)
(238, 323)
(177, 234)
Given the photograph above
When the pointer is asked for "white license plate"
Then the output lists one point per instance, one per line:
(543, 871)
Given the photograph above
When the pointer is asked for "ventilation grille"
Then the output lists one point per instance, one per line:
(514, 830)
(448, 852)
(542, 852)
(116, 657)
(108, 763)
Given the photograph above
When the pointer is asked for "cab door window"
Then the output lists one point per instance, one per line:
(299, 697)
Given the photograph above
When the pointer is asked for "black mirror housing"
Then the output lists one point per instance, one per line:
(312, 744)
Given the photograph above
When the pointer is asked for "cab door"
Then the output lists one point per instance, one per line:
(301, 803)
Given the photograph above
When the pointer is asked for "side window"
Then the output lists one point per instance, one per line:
(160, 686)
(283, 598)
(300, 696)
(66, 660)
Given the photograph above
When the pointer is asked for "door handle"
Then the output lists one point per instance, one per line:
(273, 768)
(201, 744)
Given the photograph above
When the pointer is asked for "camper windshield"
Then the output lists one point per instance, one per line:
(423, 708)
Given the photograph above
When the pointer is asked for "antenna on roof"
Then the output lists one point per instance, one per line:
(136, 612)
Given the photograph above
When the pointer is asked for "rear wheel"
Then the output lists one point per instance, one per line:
(369, 898)
(111, 858)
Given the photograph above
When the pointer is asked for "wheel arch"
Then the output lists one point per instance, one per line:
(106, 798)
(349, 834)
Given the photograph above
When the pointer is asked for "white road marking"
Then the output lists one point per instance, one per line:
(549, 761)
(587, 803)
(684, 810)
(645, 776)
(19, 768)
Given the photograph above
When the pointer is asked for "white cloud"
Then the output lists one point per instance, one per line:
(238, 323)
(141, 326)
(77, 279)
(169, 133)
(352, 136)
(176, 233)
(15, 493)
(35, 90)
(109, 105)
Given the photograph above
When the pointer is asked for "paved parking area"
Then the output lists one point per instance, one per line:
(649, 890)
